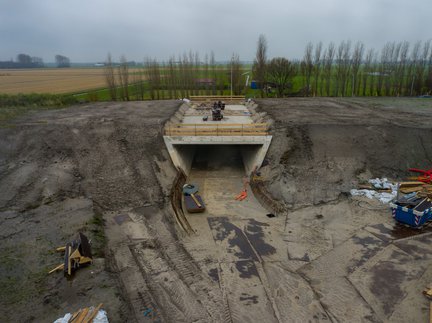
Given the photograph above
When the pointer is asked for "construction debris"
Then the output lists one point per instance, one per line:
(192, 200)
(217, 111)
(411, 201)
(379, 188)
(85, 315)
(428, 293)
(77, 253)
(413, 204)
(425, 177)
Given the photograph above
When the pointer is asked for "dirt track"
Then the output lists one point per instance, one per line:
(104, 167)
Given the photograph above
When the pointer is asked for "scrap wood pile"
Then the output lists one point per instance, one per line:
(415, 196)
(412, 193)
(411, 200)
(76, 253)
(85, 315)
(420, 189)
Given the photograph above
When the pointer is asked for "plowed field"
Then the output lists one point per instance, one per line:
(51, 80)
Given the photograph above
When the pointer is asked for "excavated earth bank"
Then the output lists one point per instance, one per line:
(103, 169)
(60, 172)
(322, 147)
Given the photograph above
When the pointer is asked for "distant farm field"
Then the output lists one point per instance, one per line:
(51, 80)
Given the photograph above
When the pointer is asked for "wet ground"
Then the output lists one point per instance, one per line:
(329, 257)
(319, 263)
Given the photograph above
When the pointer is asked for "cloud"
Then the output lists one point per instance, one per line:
(87, 30)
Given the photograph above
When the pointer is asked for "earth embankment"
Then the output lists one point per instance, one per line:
(323, 147)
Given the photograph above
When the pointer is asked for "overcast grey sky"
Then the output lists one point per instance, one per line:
(86, 30)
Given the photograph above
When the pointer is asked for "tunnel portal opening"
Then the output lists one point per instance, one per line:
(218, 158)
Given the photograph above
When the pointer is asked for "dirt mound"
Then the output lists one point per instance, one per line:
(59, 171)
(321, 148)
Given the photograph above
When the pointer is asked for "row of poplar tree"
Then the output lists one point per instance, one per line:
(346, 69)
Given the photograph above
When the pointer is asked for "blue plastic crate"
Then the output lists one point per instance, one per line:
(409, 216)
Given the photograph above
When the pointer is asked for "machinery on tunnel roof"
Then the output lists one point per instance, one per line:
(217, 111)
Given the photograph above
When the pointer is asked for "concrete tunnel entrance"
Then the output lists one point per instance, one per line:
(218, 158)
(220, 171)
(215, 156)
(217, 165)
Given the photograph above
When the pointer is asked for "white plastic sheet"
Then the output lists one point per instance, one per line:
(383, 197)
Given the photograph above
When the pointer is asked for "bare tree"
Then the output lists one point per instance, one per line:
(148, 62)
(172, 78)
(37, 61)
(24, 59)
(421, 68)
(339, 68)
(373, 74)
(153, 77)
(429, 74)
(162, 80)
(394, 68)
(196, 73)
(110, 78)
(181, 77)
(280, 72)
(367, 70)
(381, 70)
(188, 76)
(260, 63)
(317, 66)
(236, 74)
(307, 67)
(184, 75)
(191, 74)
(411, 75)
(356, 61)
(206, 73)
(62, 61)
(401, 68)
(123, 75)
(345, 65)
(328, 66)
(386, 61)
(213, 71)
(139, 84)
